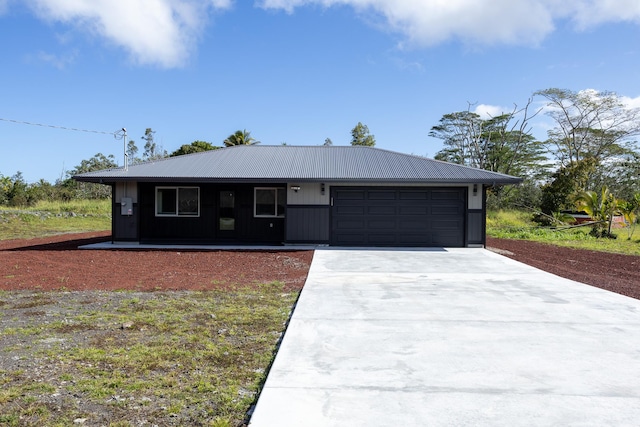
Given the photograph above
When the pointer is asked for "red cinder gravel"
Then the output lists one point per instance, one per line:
(613, 272)
(57, 263)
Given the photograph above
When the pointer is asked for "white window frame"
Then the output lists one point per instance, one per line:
(177, 210)
(255, 202)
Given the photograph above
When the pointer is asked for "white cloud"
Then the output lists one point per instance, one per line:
(480, 22)
(486, 111)
(589, 13)
(166, 32)
(58, 61)
(159, 32)
(631, 102)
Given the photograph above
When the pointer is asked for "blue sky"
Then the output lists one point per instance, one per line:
(294, 71)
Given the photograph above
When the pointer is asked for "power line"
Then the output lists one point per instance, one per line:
(59, 127)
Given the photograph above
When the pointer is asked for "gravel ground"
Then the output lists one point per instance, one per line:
(55, 263)
(613, 272)
(41, 331)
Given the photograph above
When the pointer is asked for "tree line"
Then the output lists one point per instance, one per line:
(589, 161)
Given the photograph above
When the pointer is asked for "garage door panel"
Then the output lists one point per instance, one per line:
(413, 210)
(345, 195)
(374, 224)
(351, 224)
(370, 216)
(350, 210)
(414, 239)
(381, 239)
(445, 195)
(446, 210)
(350, 239)
(444, 238)
(381, 210)
(382, 195)
(415, 226)
(414, 195)
(445, 225)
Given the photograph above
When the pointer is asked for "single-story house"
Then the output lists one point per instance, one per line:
(332, 195)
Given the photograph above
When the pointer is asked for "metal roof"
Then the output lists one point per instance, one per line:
(284, 163)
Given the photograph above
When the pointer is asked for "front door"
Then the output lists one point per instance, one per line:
(227, 214)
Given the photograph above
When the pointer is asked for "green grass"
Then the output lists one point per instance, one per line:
(47, 218)
(183, 358)
(79, 206)
(518, 225)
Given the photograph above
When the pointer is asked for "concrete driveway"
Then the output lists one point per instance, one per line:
(451, 338)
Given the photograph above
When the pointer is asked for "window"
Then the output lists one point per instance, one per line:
(177, 201)
(269, 202)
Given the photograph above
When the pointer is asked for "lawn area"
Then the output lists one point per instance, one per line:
(48, 218)
(136, 358)
(126, 358)
(518, 225)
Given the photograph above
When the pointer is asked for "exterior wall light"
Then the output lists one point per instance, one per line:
(295, 188)
(322, 188)
(475, 189)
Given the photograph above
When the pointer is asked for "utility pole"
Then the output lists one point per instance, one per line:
(126, 156)
(122, 134)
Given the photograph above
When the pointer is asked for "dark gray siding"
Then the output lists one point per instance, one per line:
(125, 227)
(475, 227)
(203, 229)
(307, 223)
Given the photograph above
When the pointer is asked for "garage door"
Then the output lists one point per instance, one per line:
(375, 216)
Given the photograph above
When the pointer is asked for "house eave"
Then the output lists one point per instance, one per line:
(108, 180)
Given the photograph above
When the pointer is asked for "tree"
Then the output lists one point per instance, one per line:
(328, 142)
(96, 163)
(501, 144)
(5, 187)
(630, 209)
(600, 208)
(18, 194)
(132, 151)
(589, 124)
(88, 190)
(240, 137)
(566, 183)
(151, 150)
(43, 190)
(194, 147)
(459, 131)
(360, 136)
(621, 175)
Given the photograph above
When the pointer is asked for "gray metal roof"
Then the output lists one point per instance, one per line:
(284, 163)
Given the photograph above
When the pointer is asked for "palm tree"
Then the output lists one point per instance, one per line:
(240, 137)
(629, 209)
(601, 208)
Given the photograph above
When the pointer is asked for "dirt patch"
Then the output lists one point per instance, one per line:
(57, 263)
(613, 272)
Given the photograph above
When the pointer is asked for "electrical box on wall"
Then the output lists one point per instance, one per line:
(126, 206)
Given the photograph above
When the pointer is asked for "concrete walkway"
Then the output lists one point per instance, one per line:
(452, 338)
